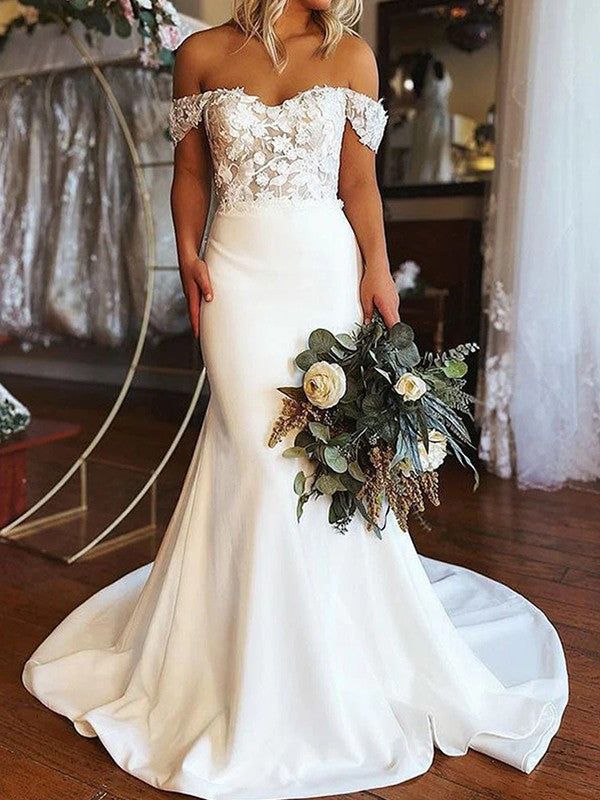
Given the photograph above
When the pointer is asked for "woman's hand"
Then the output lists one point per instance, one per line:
(196, 286)
(378, 291)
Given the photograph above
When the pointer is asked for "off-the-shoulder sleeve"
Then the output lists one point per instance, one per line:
(185, 114)
(368, 117)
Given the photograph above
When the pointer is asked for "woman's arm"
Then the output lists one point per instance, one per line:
(362, 201)
(190, 190)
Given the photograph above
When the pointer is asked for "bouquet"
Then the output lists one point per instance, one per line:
(375, 421)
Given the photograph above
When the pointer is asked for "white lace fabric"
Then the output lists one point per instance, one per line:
(283, 154)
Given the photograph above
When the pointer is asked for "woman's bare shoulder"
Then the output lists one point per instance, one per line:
(197, 54)
(356, 60)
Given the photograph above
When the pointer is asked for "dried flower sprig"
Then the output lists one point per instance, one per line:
(375, 421)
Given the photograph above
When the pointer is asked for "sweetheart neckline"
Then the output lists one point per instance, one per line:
(283, 103)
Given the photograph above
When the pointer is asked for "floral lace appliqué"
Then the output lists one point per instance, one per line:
(367, 117)
(284, 154)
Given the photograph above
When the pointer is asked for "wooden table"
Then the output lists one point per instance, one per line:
(13, 462)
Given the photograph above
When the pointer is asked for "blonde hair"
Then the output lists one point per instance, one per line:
(257, 18)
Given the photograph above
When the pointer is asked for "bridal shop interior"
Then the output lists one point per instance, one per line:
(490, 182)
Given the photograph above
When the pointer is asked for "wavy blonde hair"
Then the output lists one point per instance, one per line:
(257, 19)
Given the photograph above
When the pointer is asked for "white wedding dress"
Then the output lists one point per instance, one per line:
(258, 657)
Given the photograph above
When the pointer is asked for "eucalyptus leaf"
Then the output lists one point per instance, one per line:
(346, 341)
(122, 27)
(338, 353)
(335, 460)
(306, 359)
(321, 340)
(341, 440)
(300, 483)
(148, 20)
(455, 369)
(302, 500)
(293, 452)
(336, 510)
(356, 471)
(401, 335)
(166, 57)
(303, 439)
(329, 484)
(350, 484)
(98, 21)
(409, 356)
(372, 402)
(319, 431)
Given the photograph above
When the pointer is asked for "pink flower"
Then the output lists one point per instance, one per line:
(127, 10)
(169, 36)
(148, 57)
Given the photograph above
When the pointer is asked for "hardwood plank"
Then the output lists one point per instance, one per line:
(430, 786)
(572, 763)
(486, 561)
(582, 578)
(580, 727)
(498, 781)
(579, 641)
(502, 540)
(21, 778)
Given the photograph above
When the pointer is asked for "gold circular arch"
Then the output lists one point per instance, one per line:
(21, 527)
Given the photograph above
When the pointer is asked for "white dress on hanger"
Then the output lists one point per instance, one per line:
(258, 657)
(430, 155)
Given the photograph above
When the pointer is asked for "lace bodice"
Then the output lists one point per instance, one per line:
(288, 153)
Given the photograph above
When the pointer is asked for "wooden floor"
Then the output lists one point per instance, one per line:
(545, 545)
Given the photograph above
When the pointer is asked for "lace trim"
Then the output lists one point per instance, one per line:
(367, 116)
(185, 114)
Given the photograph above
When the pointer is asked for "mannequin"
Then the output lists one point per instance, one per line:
(430, 158)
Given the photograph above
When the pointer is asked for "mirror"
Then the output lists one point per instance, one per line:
(439, 63)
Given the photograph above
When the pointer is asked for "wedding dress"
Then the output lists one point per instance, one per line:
(258, 657)
(431, 153)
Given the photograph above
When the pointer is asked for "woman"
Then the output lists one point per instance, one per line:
(259, 657)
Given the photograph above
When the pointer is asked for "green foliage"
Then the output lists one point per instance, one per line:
(373, 414)
(101, 16)
(306, 359)
(319, 431)
(321, 341)
(300, 483)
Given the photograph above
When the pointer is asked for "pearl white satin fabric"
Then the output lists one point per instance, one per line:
(258, 657)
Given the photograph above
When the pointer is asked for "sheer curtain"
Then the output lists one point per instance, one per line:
(540, 388)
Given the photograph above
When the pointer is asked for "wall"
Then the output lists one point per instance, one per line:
(368, 23)
(214, 12)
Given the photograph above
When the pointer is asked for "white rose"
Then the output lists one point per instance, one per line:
(410, 386)
(431, 460)
(324, 384)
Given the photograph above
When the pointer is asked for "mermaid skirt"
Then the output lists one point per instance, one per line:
(258, 657)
